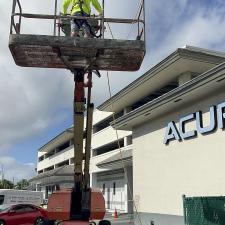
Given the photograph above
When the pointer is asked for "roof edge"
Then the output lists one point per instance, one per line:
(194, 83)
(68, 130)
(184, 52)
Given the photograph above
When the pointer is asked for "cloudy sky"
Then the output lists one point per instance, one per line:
(36, 104)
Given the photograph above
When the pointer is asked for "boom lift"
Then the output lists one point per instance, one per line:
(83, 57)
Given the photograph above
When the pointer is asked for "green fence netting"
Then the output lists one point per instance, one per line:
(204, 210)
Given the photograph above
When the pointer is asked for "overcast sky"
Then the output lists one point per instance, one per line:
(36, 104)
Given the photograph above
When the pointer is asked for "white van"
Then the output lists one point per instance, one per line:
(11, 196)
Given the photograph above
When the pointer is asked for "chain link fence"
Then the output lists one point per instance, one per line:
(204, 210)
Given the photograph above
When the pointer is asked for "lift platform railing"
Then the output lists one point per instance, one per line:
(17, 12)
(14, 25)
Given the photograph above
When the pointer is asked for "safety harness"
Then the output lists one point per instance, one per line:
(80, 3)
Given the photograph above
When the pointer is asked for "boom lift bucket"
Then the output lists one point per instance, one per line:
(51, 51)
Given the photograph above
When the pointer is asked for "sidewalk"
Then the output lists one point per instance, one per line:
(124, 218)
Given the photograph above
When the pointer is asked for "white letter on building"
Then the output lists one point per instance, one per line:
(187, 134)
(199, 121)
(221, 115)
(171, 133)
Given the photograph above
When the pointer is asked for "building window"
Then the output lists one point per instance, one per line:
(106, 122)
(114, 188)
(41, 158)
(40, 171)
(49, 168)
(50, 153)
(155, 95)
(64, 163)
(102, 125)
(63, 146)
(109, 147)
(103, 189)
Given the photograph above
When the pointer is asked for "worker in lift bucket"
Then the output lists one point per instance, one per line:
(81, 8)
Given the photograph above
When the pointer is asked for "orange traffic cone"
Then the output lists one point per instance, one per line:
(115, 214)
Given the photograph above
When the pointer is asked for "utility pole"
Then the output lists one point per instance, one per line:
(2, 173)
(13, 182)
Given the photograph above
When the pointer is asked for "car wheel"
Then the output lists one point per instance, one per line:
(2, 222)
(39, 221)
(104, 222)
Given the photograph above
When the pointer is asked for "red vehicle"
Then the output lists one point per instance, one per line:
(21, 214)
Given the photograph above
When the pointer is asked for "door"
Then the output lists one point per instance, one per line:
(17, 216)
(31, 214)
(108, 198)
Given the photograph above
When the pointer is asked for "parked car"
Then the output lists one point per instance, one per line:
(22, 214)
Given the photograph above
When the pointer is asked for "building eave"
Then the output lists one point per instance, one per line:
(198, 87)
(118, 160)
(66, 134)
(161, 71)
(61, 171)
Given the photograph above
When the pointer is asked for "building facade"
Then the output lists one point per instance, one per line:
(178, 134)
(171, 125)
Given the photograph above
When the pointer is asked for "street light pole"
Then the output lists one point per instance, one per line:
(2, 173)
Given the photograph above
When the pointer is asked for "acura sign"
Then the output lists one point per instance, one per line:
(179, 133)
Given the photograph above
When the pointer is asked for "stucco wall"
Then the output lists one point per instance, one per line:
(57, 158)
(194, 167)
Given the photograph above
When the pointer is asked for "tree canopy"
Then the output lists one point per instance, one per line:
(6, 184)
(22, 184)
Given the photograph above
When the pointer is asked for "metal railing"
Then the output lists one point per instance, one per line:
(14, 25)
(15, 28)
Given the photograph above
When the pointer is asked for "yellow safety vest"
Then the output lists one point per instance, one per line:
(86, 6)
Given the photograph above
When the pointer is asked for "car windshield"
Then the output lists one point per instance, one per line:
(4, 208)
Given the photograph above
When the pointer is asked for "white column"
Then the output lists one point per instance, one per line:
(129, 190)
(126, 196)
(127, 110)
(93, 179)
(185, 77)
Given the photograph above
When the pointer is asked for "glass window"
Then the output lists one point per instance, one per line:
(2, 197)
(19, 208)
(4, 207)
(29, 208)
(103, 189)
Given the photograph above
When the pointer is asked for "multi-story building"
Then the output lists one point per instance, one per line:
(178, 136)
(170, 125)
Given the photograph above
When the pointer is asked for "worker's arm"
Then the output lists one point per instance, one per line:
(97, 6)
(66, 4)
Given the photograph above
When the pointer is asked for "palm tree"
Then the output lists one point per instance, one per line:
(22, 184)
(6, 184)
